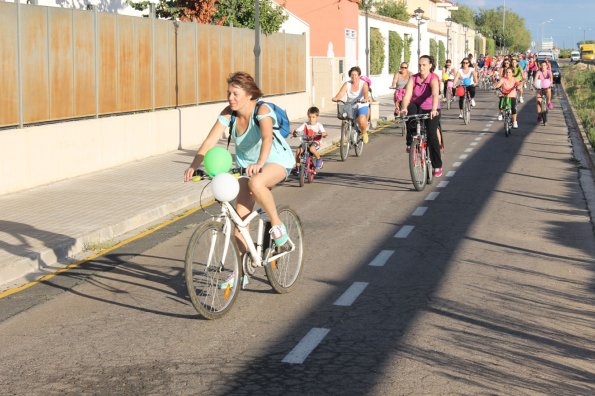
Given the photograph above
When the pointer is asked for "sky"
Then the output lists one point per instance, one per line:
(571, 19)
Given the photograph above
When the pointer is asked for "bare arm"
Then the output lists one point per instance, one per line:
(407, 96)
(266, 133)
(210, 142)
(341, 92)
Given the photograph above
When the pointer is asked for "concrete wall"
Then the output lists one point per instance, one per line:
(39, 155)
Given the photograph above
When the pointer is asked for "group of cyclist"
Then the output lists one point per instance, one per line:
(267, 159)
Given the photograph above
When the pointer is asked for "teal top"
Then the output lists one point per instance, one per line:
(248, 145)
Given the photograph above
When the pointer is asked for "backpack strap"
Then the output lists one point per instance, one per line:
(233, 119)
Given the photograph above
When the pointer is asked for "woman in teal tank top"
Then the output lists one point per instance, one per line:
(268, 159)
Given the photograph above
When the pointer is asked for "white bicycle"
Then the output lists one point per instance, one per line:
(213, 272)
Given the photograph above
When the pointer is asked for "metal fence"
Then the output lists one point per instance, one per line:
(58, 64)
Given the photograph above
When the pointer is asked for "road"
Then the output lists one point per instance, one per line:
(482, 283)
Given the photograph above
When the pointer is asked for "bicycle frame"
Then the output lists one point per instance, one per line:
(229, 215)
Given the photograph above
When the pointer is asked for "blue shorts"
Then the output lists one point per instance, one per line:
(362, 111)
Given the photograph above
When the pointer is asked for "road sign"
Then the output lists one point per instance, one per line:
(532, 44)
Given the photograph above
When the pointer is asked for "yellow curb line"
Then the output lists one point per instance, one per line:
(151, 230)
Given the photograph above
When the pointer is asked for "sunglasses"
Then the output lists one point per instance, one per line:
(403, 67)
(465, 63)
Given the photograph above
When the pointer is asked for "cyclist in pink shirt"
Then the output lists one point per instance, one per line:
(422, 95)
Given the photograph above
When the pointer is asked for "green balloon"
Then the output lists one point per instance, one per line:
(217, 160)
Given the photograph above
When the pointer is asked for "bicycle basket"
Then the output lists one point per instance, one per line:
(345, 111)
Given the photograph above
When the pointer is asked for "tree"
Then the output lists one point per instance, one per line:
(441, 54)
(434, 51)
(393, 9)
(515, 37)
(240, 13)
(464, 15)
(200, 11)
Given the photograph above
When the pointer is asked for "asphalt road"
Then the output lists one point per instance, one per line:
(482, 283)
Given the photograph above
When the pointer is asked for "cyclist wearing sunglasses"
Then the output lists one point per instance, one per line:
(466, 73)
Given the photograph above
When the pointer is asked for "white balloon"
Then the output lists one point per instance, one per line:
(225, 187)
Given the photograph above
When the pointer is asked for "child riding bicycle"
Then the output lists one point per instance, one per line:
(315, 131)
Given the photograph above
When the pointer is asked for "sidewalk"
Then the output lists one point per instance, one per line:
(42, 229)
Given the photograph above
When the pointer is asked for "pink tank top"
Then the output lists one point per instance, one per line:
(422, 91)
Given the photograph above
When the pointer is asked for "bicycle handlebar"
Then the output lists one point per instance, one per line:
(423, 116)
(200, 174)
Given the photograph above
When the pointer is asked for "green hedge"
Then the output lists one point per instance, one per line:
(434, 50)
(376, 51)
(580, 87)
(441, 55)
(395, 51)
(407, 48)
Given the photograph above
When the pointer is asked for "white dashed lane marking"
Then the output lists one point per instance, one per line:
(404, 231)
(463, 156)
(457, 164)
(381, 258)
(420, 211)
(443, 184)
(351, 294)
(432, 196)
(468, 150)
(473, 143)
(310, 341)
(451, 173)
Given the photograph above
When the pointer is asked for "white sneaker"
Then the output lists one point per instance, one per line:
(521, 99)
(461, 115)
(473, 102)
(500, 117)
(515, 125)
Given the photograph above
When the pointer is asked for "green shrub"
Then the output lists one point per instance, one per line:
(434, 50)
(376, 51)
(441, 54)
(407, 48)
(395, 51)
(580, 87)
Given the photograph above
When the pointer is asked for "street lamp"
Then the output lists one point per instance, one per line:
(465, 28)
(419, 13)
(542, 24)
(367, 6)
(448, 25)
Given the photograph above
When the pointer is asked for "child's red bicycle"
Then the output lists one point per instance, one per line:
(307, 167)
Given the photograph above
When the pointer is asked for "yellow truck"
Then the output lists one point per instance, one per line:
(588, 52)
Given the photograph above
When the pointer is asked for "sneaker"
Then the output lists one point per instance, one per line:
(500, 117)
(408, 149)
(437, 172)
(473, 102)
(550, 106)
(230, 281)
(538, 118)
(515, 125)
(319, 163)
(295, 170)
(279, 233)
(521, 100)
(365, 138)
(461, 115)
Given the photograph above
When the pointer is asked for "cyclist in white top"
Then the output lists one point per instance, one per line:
(357, 91)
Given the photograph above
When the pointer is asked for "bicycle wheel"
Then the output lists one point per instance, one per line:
(345, 139)
(417, 165)
(467, 111)
(213, 281)
(302, 174)
(358, 144)
(311, 169)
(284, 272)
(544, 108)
(448, 101)
(507, 123)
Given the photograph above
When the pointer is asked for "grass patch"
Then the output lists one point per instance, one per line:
(97, 246)
(580, 87)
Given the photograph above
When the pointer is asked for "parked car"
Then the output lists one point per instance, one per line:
(556, 72)
(545, 54)
(575, 56)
